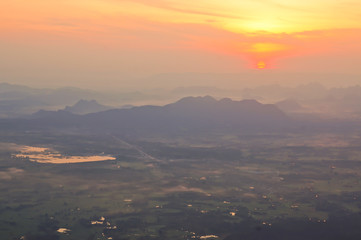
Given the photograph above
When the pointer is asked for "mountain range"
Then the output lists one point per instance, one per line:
(188, 115)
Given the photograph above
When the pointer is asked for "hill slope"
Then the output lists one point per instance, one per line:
(190, 115)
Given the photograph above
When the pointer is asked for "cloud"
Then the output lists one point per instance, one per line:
(185, 8)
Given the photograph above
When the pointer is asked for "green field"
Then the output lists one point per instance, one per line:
(180, 188)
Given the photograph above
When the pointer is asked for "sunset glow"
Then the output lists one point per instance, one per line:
(120, 36)
(176, 119)
(261, 65)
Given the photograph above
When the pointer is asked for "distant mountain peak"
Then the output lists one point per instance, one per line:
(212, 102)
(225, 100)
(199, 99)
(289, 105)
(86, 106)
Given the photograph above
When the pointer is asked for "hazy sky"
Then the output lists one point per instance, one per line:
(161, 43)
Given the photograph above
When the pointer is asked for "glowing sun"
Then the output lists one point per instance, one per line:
(261, 65)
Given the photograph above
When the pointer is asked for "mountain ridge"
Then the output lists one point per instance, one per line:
(187, 115)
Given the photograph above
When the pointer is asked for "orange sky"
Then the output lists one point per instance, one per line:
(92, 42)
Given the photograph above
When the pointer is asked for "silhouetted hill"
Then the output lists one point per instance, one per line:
(289, 105)
(7, 87)
(18, 100)
(195, 114)
(85, 107)
(189, 116)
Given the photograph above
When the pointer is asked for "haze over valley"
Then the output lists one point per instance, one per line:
(180, 120)
(199, 167)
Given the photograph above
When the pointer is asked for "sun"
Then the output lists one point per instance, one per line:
(262, 55)
(261, 65)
